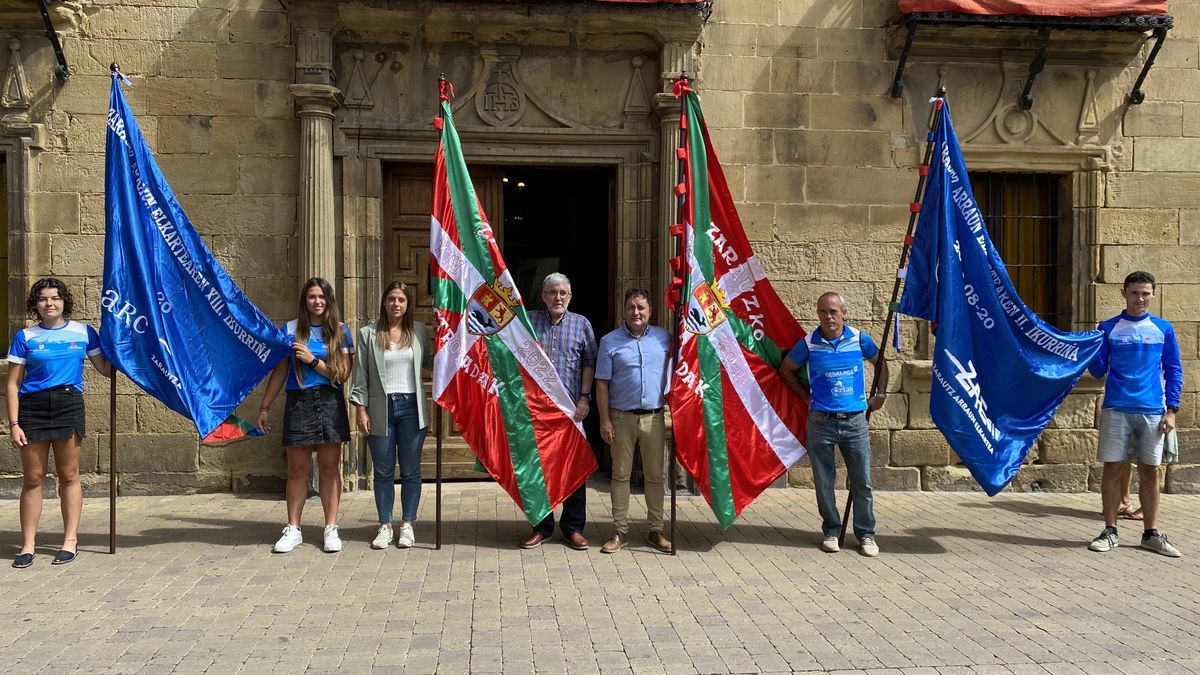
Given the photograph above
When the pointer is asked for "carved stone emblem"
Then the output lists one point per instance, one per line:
(501, 101)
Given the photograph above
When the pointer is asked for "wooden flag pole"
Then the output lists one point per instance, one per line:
(437, 432)
(914, 211)
(112, 462)
(679, 272)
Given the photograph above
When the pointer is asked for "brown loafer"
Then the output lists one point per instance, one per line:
(576, 541)
(533, 540)
(615, 543)
(659, 542)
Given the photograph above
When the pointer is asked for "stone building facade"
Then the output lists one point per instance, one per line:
(298, 135)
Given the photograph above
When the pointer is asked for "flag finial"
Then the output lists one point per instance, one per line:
(681, 84)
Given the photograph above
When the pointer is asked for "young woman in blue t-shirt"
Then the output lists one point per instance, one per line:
(314, 416)
(45, 408)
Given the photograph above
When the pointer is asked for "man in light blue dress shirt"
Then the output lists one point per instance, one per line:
(631, 377)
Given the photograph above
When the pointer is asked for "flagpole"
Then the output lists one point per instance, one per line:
(112, 462)
(914, 212)
(439, 122)
(679, 266)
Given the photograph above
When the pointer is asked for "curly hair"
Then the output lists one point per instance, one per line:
(35, 292)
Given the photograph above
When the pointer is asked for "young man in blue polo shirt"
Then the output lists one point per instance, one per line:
(837, 399)
(1140, 357)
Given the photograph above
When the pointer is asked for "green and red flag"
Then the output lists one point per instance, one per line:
(737, 425)
(489, 370)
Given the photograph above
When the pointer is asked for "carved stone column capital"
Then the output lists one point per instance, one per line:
(316, 99)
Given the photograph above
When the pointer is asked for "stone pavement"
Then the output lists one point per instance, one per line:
(965, 584)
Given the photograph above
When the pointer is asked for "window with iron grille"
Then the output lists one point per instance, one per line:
(1022, 214)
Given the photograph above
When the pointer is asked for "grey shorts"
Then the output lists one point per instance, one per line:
(1124, 435)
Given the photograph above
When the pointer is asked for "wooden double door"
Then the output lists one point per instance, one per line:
(545, 219)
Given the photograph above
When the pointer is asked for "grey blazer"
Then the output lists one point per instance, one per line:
(367, 381)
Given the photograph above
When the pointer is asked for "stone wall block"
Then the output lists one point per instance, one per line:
(912, 447)
(189, 59)
(801, 299)
(154, 453)
(1189, 445)
(881, 447)
(213, 174)
(796, 76)
(1051, 478)
(77, 256)
(851, 44)
(115, 21)
(779, 111)
(257, 62)
(245, 215)
(271, 99)
(1138, 227)
(735, 73)
(1191, 119)
(821, 14)
(1180, 302)
(267, 176)
(1134, 189)
(186, 134)
(184, 24)
(164, 483)
(723, 110)
(97, 403)
(54, 212)
(277, 139)
(948, 479)
(777, 184)
(863, 77)
(744, 146)
(817, 223)
(86, 94)
(1165, 154)
(863, 262)
(74, 172)
(787, 41)
(758, 220)
(893, 414)
(252, 256)
(1154, 118)
(855, 185)
(800, 476)
(154, 417)
(1068, 446)
(834, 148)
(249, 482)
(730, 39)
(906, 479)
(1078, 411)
(1183, 479)
(259, 456)
(1171, 264)
(872, 113)
(258, 26)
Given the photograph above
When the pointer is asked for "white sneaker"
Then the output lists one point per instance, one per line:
(868, 547)
(333, 543)
(383, 537)
(406, 538)
(830, 545)
(291, 539)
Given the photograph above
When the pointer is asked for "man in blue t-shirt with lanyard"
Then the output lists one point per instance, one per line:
(836, 394)
(1140, 356)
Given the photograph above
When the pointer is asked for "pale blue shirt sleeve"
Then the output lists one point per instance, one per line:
(604, 360)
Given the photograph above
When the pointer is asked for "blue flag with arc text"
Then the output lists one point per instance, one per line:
(999, 371)
(172, 321)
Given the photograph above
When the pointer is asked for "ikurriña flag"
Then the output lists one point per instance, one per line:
(737, 426)
(173, 320)
(490, 372)
(999, 371)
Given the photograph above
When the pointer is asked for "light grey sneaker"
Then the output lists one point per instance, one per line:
(1107, 541)
(333, 542)
(289, 541)
(868, 547)
(830, 545)
(406, 538)
(383, 537)
(1158, 543)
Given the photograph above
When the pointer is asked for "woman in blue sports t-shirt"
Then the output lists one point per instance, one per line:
(45, 408)
(314, 416)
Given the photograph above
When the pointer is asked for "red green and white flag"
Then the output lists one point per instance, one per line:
(489, 370)
(737, 426)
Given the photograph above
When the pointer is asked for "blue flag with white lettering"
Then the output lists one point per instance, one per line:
(173, 320)
(999, 371)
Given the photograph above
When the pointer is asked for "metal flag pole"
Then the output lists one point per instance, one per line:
(679, 270)
(112, 462)
(914, 211)
(445, 92)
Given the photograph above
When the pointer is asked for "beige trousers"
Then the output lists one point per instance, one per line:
(648, 432)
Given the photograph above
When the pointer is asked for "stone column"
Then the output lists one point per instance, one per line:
(676, 59)
(314, 209)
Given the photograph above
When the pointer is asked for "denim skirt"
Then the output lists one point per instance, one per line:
(315, 416)
(51, 414)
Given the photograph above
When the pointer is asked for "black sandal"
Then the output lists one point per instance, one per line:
(63, 557)
(22, 561)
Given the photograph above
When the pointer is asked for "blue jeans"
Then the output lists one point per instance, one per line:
(404, 441)
(825, 430)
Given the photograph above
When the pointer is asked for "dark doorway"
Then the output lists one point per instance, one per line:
(559, 220)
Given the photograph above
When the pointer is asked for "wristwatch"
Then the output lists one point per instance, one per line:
(586, 394)
(1173, 408)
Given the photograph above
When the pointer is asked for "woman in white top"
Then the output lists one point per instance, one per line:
(388, 392)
